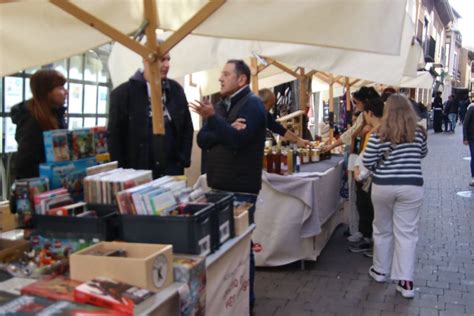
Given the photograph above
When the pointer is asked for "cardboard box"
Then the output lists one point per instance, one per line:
(11, 249)
(191, 270)
(149, 266)
(7, 219)
(241, 222)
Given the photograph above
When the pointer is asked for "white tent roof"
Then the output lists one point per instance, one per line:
(35, 32)
(423, 80)
(200, 53)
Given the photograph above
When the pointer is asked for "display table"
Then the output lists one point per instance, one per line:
(297, 214)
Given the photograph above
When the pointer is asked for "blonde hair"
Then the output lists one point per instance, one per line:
(399, 120)
(266, 95)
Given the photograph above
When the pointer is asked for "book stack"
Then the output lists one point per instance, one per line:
(115, 295)
(51, 200)
(25, 191)
(159, 197)
(101, 188)
(191, 271)
(31, 305)
(63, 145)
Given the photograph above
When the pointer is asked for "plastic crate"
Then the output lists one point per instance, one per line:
(187, 234)
(250, 198)
(104, 226)
(222, 219)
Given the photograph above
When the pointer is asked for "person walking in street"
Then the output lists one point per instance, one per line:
(468, 136)
(437, 107)
(394, 154)
(451, 109)
(234, 157)
(130, 124)
(463, 109)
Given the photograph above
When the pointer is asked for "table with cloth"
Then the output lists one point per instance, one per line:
(296, 214)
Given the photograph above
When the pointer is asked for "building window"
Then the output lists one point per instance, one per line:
(88, 83)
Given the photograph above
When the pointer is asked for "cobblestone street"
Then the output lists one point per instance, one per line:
(338, 283)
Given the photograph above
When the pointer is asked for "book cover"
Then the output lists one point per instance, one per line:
(25, 305)
(15, 284)
(64, 308)
(56, 145)
(100, 139)
(112, 294)
(54, 288)
(82, 142)
(40, 198)
(191, 270)
(6, 297)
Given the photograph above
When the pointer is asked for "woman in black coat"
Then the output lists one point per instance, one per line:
(437, 107)
(45, 111)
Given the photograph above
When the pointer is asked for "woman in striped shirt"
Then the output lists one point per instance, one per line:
(394, 154)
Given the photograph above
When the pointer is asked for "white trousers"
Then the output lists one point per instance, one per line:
(395, 226)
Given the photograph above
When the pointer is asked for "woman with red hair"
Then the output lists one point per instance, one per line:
(45, 111)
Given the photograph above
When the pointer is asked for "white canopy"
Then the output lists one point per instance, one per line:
(35, 32)
(423, 80)
(199, 53)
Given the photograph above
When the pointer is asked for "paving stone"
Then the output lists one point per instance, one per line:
(338, 283)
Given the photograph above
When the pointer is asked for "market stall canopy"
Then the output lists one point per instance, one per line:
(36, 32)
(212, 53)
(423, 80)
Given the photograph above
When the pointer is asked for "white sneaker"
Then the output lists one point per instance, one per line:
(355, 237)
(406, 288)
(377, 276)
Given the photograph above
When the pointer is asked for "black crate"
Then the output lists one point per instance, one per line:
(222, 220)
(104, 226)
(187, 234)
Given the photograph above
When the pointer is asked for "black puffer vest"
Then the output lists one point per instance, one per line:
(236, 171)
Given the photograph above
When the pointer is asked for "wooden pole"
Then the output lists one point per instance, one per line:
(154, 62)
(254, 74)
(303, 91)
(348, 99)
(102, 27)
(331, 109)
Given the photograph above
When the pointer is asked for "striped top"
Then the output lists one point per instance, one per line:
(402, 166)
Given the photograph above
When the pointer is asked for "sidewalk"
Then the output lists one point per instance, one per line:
(338, 283)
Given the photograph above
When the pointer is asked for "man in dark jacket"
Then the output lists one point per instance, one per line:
(234, 156)
(130, 124)
(451, 109)
(468, 136)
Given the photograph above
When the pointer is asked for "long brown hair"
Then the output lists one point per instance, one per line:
(399, 121)
(41, 84)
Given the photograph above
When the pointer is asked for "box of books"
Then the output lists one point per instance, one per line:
(82, 143)
(189, 233)
(67, 174)
(7, 219)
(143, 265)
(56, 145)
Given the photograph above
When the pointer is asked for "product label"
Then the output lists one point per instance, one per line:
(224, 232)
(205, 246)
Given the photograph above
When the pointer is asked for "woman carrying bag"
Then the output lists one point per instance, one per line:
(394, 154)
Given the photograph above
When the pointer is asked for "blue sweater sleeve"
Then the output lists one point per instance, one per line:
(274, 126)
(255, 119)
(206, 138)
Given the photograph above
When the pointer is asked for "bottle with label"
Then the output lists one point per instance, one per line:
(270, 161)
(277, 160)
(298, 163)
(284, 162)
(289, 160)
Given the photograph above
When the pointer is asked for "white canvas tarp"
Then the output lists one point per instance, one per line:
(35, 32)
(199, 53)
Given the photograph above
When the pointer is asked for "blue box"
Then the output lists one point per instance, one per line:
(67, 174)
(56, 145)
